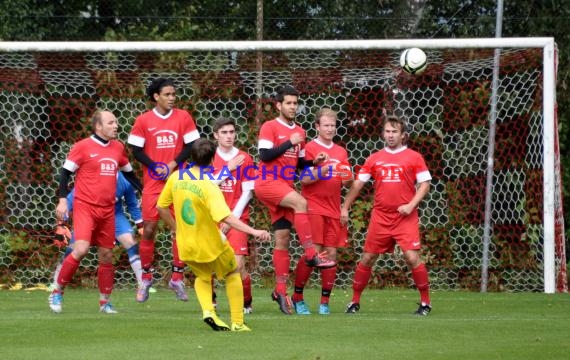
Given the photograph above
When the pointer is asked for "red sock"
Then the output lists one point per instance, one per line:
(302, 275)
(361, 277)
(420, 276)
(303, 228)
(105, 278)
(146, 252)
(68, 269)
(281, 262)
(177, 265)
(246, 282)
(328, 277)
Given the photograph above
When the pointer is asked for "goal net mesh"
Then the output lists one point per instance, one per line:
(47, 98)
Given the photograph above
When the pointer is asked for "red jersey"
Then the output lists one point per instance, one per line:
(97, 165)
(162, 137)
(395, 175)
(272, 134)
(323, 196)
(241, 178)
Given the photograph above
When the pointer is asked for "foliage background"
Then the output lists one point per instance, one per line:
(104, 20)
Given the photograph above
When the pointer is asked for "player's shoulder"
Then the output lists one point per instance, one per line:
(340, 150)
(411, 153)
(117, 144)
(312, 143)
(86, 141)
(181, 112)
(145, 116)
(245, 154)
(270, 123)
(181, 115)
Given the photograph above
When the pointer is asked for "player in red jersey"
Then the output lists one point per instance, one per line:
(161, 139)
(401, 181)
(238, 191)
(322, 188)
(282, 151)
(96, 161)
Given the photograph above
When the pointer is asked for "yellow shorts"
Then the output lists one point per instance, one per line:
(225, 264)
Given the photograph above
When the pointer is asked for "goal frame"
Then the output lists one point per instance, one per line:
(549, 89)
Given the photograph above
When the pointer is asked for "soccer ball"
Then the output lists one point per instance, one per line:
(413, 61)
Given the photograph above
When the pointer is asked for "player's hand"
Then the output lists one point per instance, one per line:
(61, 210)
(140, 228)
(296, 138)
(62, 235)
(235, 162)
(224, 228)
(343, 216)
(261, 235)
(325, 170)
(405, 210)
(320, 158)
(172, 166)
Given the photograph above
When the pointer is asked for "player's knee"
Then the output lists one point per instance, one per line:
(412, 259)
(368, 259)
(300, 204)
(282, 224)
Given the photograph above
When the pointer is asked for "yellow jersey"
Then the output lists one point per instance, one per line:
(199, 206)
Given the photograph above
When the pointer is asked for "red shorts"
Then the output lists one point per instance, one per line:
(382, 238)
(270, 193)
(149, 212)
(328, 231)
(94, 224)
(238, 241)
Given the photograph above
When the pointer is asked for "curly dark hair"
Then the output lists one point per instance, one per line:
(156, 85)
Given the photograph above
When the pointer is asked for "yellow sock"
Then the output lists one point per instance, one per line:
(203, 290)
(234, 292)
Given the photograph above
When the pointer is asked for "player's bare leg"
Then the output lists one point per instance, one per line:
(298, 203)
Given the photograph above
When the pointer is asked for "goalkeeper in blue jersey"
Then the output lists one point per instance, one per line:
(123, 229)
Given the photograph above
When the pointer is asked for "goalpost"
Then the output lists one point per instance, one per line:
(48, 90)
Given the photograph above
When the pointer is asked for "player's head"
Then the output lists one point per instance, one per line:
(394, 131)
(202, 152)
(104, 124)
(225, 132)
(286, 101)
(325, 123)
(162, 92)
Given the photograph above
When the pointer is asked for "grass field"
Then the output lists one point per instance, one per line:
(461, 326)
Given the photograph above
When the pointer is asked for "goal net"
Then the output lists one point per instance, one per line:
(48, 92)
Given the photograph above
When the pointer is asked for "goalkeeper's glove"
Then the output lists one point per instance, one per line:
(62, 235)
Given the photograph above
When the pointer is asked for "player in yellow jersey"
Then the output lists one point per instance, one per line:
(199, 207)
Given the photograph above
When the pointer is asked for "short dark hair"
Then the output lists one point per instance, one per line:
(202, 152)
(284, 91)
(396, 120)
(221, 122)
(156, 85)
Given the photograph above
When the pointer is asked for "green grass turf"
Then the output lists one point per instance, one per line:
(461, 326)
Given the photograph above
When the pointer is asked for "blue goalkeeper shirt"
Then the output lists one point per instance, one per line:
(125, 196)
